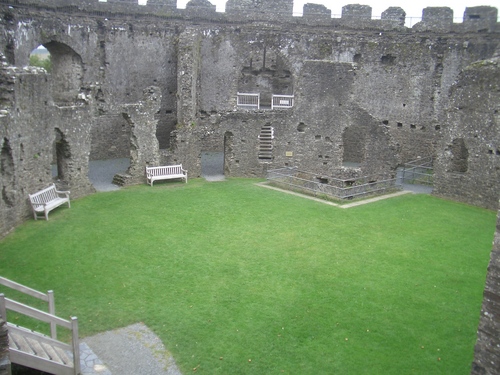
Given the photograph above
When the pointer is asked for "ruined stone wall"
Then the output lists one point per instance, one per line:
(391, 89)
(487, 350)
(468, 166)
(26, 141)
(369, 95)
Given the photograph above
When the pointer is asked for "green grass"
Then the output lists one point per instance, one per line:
(229, 272)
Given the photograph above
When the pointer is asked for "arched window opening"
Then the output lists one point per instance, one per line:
(459, 156)
(353, 140)
(41, 58)
(66, 73)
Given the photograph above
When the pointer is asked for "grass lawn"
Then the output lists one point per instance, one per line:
(237, 279)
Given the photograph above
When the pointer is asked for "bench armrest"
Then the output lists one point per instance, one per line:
(64, 192)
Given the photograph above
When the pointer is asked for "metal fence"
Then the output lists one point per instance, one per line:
(282, 101)
(291, 178)
(419, 172)
(248, 100)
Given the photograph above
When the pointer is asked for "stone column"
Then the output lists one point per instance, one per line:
(144, 146)
(4, 349)
(189, 63)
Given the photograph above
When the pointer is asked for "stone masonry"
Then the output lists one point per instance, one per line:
(159, 85)
(487, 351)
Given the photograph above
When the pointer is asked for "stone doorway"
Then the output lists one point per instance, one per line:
(212, 165)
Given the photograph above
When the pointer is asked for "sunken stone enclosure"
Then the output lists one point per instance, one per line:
(261, 87)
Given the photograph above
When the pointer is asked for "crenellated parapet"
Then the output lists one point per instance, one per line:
(438, 19)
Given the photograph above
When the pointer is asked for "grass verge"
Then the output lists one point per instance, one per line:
(243, 280)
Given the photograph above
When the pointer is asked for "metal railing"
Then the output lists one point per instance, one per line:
(292, 179)
(282, 101)
(419, 172)
(248, 100)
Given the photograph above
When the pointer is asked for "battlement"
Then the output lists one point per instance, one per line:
(442, 19)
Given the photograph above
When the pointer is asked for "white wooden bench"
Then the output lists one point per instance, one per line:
(165, 173)
(47, 199)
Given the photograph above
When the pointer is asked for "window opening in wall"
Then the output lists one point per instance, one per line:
(266, 137)
(353, 140)
(66, 73)
(459, 156)
(266, 81)
(41, 58)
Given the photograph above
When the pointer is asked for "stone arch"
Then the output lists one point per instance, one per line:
(67, 72)
(267, 72)
(459, 156)
(353, 141)
(62, 156)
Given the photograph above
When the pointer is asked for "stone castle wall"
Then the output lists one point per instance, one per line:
(369, 93)
(159, 84)
(487, 350)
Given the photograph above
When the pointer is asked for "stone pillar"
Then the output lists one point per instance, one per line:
(4, 349)
(145, 149)
(487, 350)
(189, 64)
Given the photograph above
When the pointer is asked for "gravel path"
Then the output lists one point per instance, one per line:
(133, 350)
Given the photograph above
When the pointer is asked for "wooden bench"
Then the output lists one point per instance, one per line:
(165, 173)
(47, 199)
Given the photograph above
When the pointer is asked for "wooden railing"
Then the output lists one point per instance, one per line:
(46, 297)
(36, 350)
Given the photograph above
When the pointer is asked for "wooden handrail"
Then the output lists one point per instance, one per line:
(49, 298)
(26, 358)
(21, 308)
